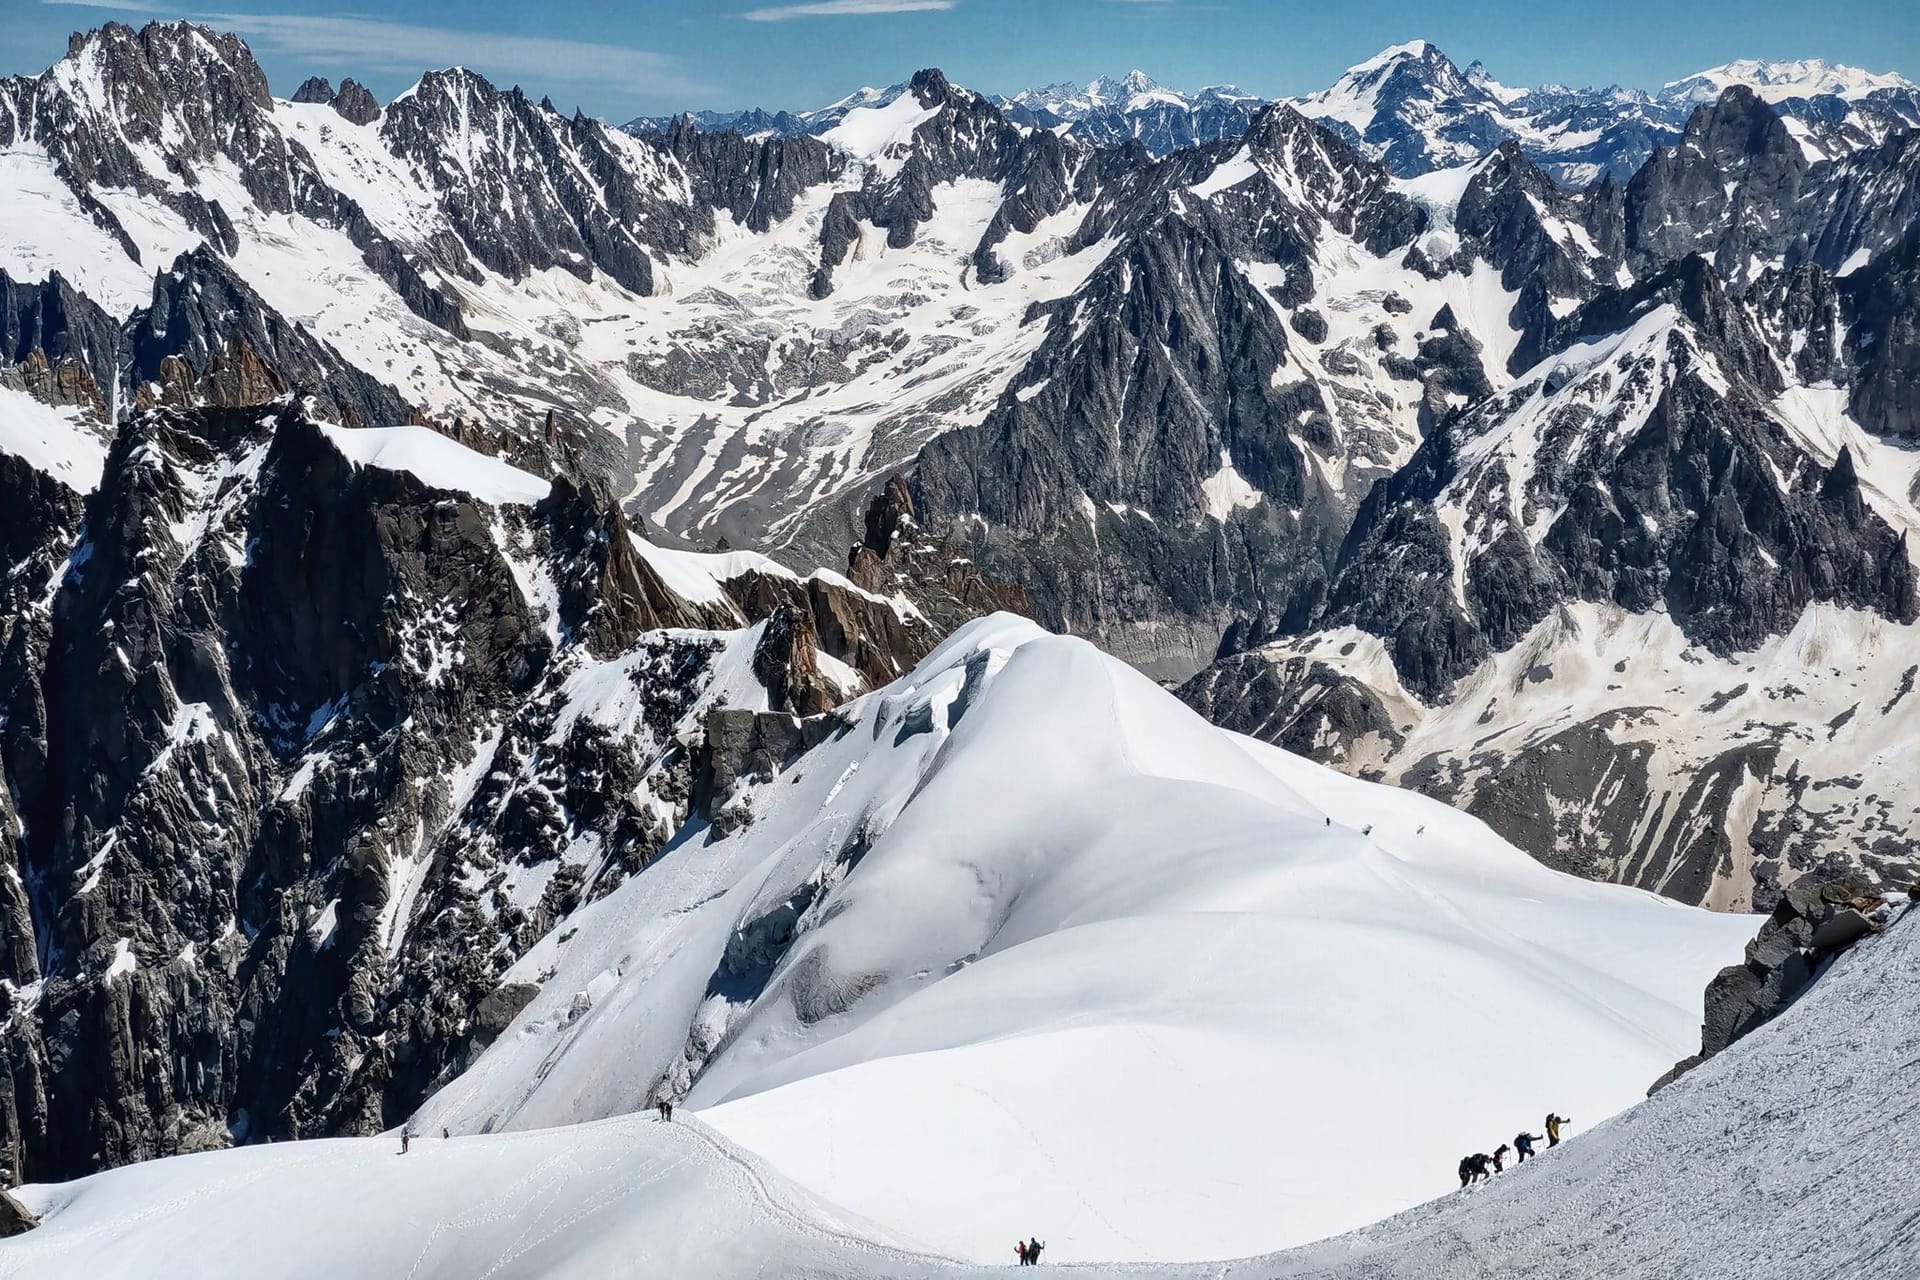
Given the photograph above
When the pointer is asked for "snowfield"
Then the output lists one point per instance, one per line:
(1028, 947)
(1791, 1154)
(56, 439)
(439, 462)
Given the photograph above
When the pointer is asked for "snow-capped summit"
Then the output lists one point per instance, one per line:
(1781, 81)
(1411, 50)
(1025, 886)
(1411, 107)
(1415, 109)
(1132, 92)
(1114, 109)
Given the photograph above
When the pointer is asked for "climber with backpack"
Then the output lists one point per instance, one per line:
(1553, 1128)
(1523, 1146)
(1474, 1167)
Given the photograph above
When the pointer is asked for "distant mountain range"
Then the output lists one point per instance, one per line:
(1412, 108)
(355, 453)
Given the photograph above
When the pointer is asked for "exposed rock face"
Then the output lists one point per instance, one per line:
(209, 339)
(965, 137)
(1661, 475)
(14, 1217)
(302, 754)
(1806, 930)
(1305, 706)
(353, 101)
(57, 343)
(185, 97)
(743, 745)
(896, 557)
(1190, 438)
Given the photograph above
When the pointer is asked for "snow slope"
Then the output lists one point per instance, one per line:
(1791, 1154)
(1032, 941)
(51, 438)
(438, 461)
(628, 1197)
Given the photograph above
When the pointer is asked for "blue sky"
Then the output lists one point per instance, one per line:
(622, 59)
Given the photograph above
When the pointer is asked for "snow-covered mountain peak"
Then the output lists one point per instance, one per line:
(869, 132)
(1131, 92)
(1413, 50)
(1404, 104)
(874, 952)
(1225, 93)
(1782, 81)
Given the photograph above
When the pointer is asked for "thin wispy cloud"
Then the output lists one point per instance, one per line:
(843, 8)
(359, 45)
(136, 6)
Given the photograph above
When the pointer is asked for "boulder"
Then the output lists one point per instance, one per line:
(1843, 929)
(15, 1218)
(1812, 924)
(497, 1010)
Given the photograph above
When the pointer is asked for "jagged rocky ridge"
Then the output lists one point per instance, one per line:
(305, 746)
(1106, 112)
(1156, 392)
(1413, 108)
(1653, 517)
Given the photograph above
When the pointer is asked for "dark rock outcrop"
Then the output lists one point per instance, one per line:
(14, 1216)
(210, 339)
(61, 347)
(302, 754)
(1804, 933)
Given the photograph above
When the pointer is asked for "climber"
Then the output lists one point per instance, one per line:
(1553, 1128)
(1033, 1251)
(1523, 1145)
(445, 1132)
(406, 1140)
(1499, 1158)
(1474, 1167)
(1020, 1251)
(665, 1108)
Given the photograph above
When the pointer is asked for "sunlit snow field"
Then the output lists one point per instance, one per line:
(1104, 973)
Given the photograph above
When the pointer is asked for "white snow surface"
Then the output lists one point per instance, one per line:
(1791, 1154)
(870, 132)
(57, 440)
(438, 461)
(1102, 967)
(1781, 81)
